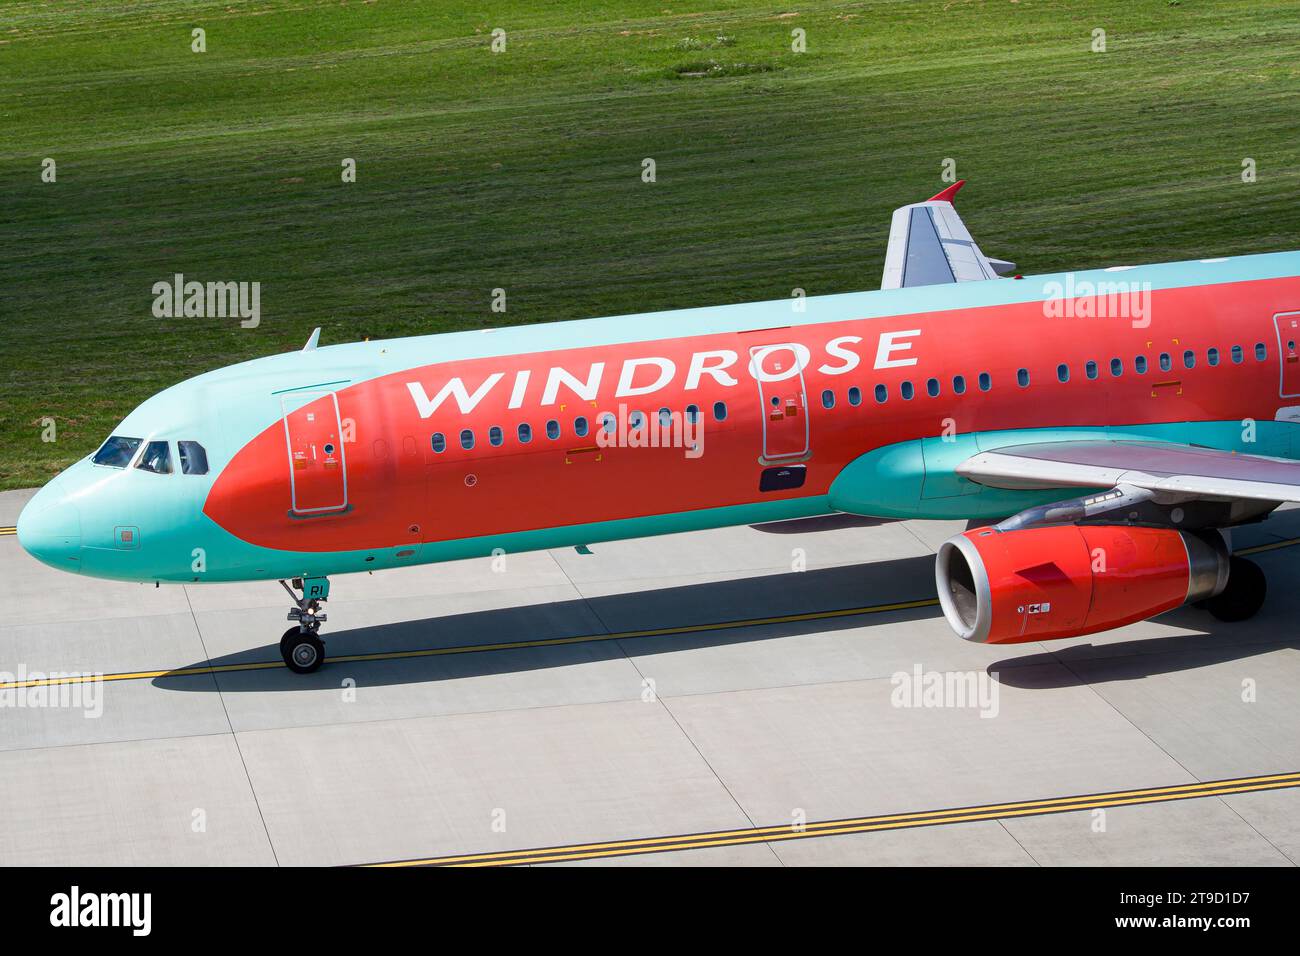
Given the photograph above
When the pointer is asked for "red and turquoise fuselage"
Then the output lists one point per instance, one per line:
(379, 454)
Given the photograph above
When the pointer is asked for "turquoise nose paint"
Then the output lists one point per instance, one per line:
(49, 529)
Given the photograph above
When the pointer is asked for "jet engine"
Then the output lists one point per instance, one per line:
(1035, 584)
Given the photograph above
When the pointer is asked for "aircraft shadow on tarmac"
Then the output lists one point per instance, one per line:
(1084, 664)
(711, 603)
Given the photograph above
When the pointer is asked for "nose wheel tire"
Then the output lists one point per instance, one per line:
(1244, 595)
(302, 651)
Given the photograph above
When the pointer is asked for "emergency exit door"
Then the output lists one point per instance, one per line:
(318, 476)
(783, 400)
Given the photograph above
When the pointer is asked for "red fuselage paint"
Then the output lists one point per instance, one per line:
(400, 491)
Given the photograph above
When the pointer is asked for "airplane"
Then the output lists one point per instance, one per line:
(1126, 419)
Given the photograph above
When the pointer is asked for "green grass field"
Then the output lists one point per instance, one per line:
(522, 169)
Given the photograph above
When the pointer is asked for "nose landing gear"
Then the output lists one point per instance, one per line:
(302, 651)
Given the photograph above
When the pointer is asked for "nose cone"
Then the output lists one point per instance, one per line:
(49, 529)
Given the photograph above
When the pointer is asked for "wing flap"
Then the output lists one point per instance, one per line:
(1165, 467)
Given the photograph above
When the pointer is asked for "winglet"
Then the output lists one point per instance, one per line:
(948, 194)
(311, 342)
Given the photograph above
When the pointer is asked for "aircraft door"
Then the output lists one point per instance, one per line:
(783, 397)
(1287, 325)
(318, 477)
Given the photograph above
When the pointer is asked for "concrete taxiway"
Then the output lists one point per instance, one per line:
(680, 700)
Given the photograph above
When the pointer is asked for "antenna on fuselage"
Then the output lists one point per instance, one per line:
(311, 342)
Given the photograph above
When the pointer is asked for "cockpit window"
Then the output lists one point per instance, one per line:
(116, 452)
(194, 459)
(156, 458)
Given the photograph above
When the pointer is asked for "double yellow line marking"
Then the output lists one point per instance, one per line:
(5, 531)
(1272, 546)
(482, 648)
(519, 645)
(892, 821)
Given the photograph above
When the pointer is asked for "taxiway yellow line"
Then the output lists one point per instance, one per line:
(5, 531)
(1271, 546)
(893, 821)
(520, 645)
(482, 648)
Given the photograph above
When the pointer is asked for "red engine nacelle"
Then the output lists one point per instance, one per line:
(1035, 584)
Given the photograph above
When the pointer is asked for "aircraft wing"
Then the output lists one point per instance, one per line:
(930, 245)
(1162, 467)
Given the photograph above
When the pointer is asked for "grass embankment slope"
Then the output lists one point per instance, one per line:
(522, 169)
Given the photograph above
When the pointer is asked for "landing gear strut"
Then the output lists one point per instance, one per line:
(302, 651)
(1244, 595)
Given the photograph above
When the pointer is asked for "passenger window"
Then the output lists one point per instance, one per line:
(1022, 377)
(525, 433)
(580, 427)
(1261, 353)
(719, 411)
(608, 422)
(1062, 372)
(1212, 356)
(1238, 355)
(1140, 364)
(907, 390)
(635, 419)
(157, 458)
(828, 399)
(1189, 359)
(959, 384)
(1166, 363)
(665, 418)
(882, 394)
(985, 382)
(495, 435)
(117, 452)
(1116, 367)
(194, 459)
(439, 442)
(932, 387)
(467, 439)
(693, 413)
(855, 396)
(553, 429)
(1090, 369)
